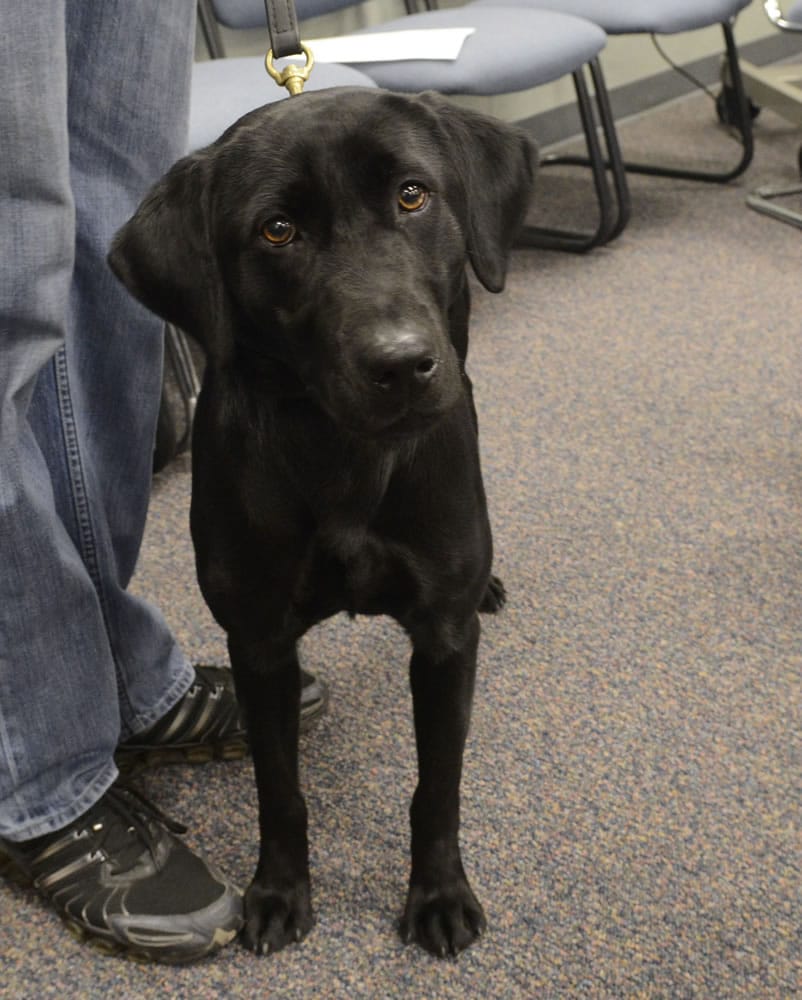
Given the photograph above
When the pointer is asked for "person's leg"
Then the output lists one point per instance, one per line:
(59, 719)
(129, 76)
(82, 662)
(128, 116)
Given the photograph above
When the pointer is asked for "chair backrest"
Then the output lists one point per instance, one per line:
(624, 17)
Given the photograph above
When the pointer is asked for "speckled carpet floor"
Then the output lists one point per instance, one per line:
(632, 792)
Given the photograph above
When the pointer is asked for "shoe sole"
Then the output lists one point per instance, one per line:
(130, 761)
(106, 946)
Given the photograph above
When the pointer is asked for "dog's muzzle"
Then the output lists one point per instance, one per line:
(394, 381)
(400, 365)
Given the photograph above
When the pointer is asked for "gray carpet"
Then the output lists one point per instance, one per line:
(632, 800)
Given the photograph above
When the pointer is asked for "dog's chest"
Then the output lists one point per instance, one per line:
(360, 569)
(360, 558)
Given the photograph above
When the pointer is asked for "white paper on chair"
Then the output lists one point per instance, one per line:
(390, 46)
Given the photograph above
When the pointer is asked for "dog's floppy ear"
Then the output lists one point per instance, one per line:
(496, 163)
(162, 254)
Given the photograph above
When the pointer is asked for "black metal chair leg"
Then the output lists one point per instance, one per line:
(609, 221)
(615, 160)
(210, 30)
(743, 122)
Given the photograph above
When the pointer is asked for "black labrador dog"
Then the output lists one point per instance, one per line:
(317, 251)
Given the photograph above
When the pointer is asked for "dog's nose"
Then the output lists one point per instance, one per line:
(406, 362)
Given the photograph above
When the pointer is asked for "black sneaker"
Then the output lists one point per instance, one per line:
(206, 723)
(120, 879)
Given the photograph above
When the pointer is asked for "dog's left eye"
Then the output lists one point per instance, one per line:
(278, 231)
(412, 196)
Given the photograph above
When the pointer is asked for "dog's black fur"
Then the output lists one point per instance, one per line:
(335, 459)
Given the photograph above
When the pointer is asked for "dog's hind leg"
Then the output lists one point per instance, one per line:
(495, 597)
(442, 913)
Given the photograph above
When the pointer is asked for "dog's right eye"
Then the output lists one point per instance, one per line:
(412, 196)
(278, 231)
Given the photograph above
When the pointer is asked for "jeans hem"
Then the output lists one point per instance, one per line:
(176, 691)
(91, 794)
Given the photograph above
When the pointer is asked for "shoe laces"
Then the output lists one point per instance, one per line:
(140, 822)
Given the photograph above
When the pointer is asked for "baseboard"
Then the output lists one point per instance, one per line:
(562, 123)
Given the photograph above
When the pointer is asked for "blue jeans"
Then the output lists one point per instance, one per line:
(93, 109)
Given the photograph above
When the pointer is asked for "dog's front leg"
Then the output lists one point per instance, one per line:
(278, 907)
(442, 913)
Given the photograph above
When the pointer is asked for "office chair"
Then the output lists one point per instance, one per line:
(665, 17)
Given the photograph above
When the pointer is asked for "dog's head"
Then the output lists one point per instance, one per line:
(323, 239)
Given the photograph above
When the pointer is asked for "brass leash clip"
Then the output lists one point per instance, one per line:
(293, 76)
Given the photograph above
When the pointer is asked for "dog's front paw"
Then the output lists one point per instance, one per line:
(444, 921)
(275, 918)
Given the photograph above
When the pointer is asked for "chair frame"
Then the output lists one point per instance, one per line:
(733, 77)
(778, 87)
(614, 211)
(210, 30)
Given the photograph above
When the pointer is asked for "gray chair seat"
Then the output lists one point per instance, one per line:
(223, 90)
(662, 17)
(511, 50)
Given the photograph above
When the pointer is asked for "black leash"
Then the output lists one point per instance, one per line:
(282, 23)
(285, 40)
